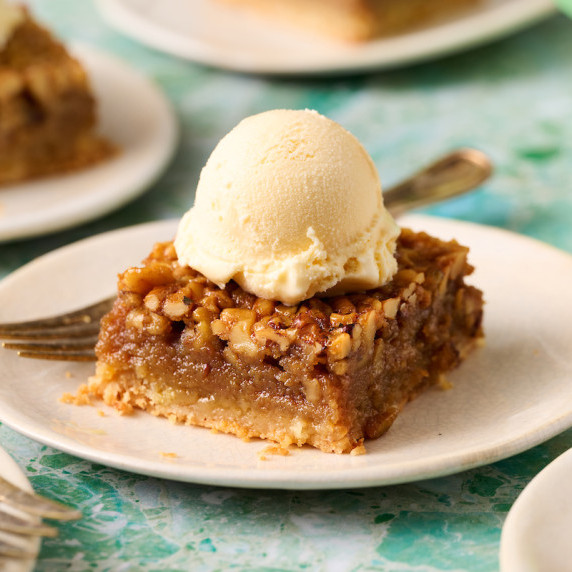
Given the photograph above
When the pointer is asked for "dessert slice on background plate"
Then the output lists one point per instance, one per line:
(353, 20)
(231, 37)
(72, 144)
(48, 113)
(290, 306)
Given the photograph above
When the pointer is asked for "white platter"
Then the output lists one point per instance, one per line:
(210, 33)
(536, 533)
(134, 114)
(509, 396)
(10, 471)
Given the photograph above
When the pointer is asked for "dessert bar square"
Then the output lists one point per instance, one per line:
(47, 109)
(328, 372)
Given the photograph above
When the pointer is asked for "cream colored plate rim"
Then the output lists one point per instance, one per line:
(536, 533)
(509, 396)
(214, 34)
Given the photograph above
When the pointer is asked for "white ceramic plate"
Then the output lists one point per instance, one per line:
(217, 35)
(10, 471)
(536, 533)
(509, 396)
(145, 132)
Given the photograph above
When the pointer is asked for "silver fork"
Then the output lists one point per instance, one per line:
(20, 518)
(72, 336)
(69, 337)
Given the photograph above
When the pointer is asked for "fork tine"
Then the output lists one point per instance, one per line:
(30, 527)
(69, 350)
(66, 346)
(8, 550)
(32, 503)
(86, 316)
(60, 355)
(68, 337)
(50, 333)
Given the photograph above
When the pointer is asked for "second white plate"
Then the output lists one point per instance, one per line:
(536, 533)
(135, 115)
(214, 34)
(507, 397)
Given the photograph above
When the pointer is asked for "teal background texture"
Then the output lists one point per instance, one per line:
(513, 100)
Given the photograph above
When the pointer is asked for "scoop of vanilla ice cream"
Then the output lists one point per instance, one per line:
(289, 205)
(11, 16)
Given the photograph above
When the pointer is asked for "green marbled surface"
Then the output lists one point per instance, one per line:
(512, 99)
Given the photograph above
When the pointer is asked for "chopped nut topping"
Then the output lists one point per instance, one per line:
(322, 331)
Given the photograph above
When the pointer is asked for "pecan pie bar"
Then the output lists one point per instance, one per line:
(328, 372)
(353, 20)
(47, 109)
